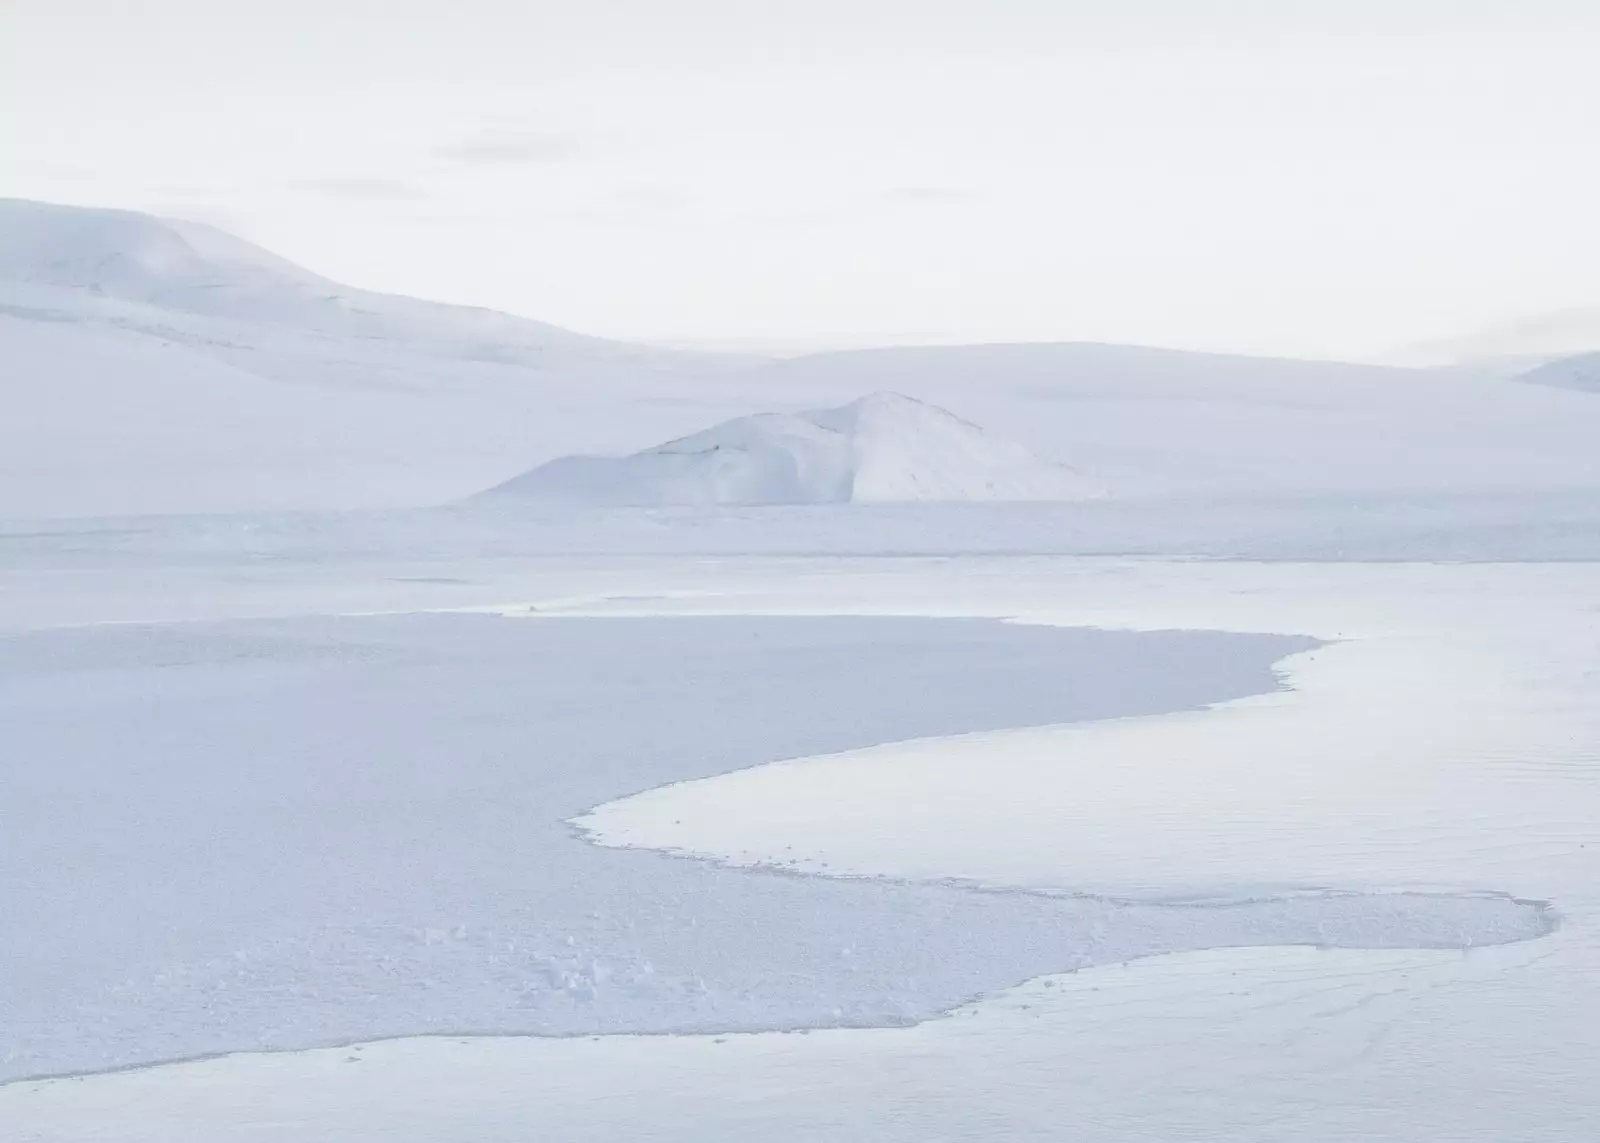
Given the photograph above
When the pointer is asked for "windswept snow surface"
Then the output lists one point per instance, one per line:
(882, 447)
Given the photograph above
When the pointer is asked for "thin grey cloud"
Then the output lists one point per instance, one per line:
(511, 150)
(888, 203)
(932, 195)
(369, 190)
(637, 203)
(653, 198)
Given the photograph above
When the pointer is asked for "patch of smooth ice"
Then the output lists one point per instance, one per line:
(222, 836)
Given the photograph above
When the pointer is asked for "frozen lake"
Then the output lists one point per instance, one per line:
(227, 836)
(1433, 760)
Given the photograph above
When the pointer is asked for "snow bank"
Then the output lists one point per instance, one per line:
(881, 448)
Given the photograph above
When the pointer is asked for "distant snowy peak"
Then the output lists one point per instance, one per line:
(881, 448)
(122, 254)
(84, 258)
(1533, 339)
(1580, 372)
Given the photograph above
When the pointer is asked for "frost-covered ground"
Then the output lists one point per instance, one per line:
(1379, 833)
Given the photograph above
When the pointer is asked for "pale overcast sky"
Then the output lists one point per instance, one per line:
(1323, 177)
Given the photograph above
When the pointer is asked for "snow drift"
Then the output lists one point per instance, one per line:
(880, 448)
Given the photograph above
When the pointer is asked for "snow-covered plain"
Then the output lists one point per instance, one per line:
(1253, 802)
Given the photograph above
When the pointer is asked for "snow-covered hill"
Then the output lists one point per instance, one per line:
(880, 448)
(122, 265)
(157, 366)
(148, 366)
(1581, 372)
(1152, 422)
